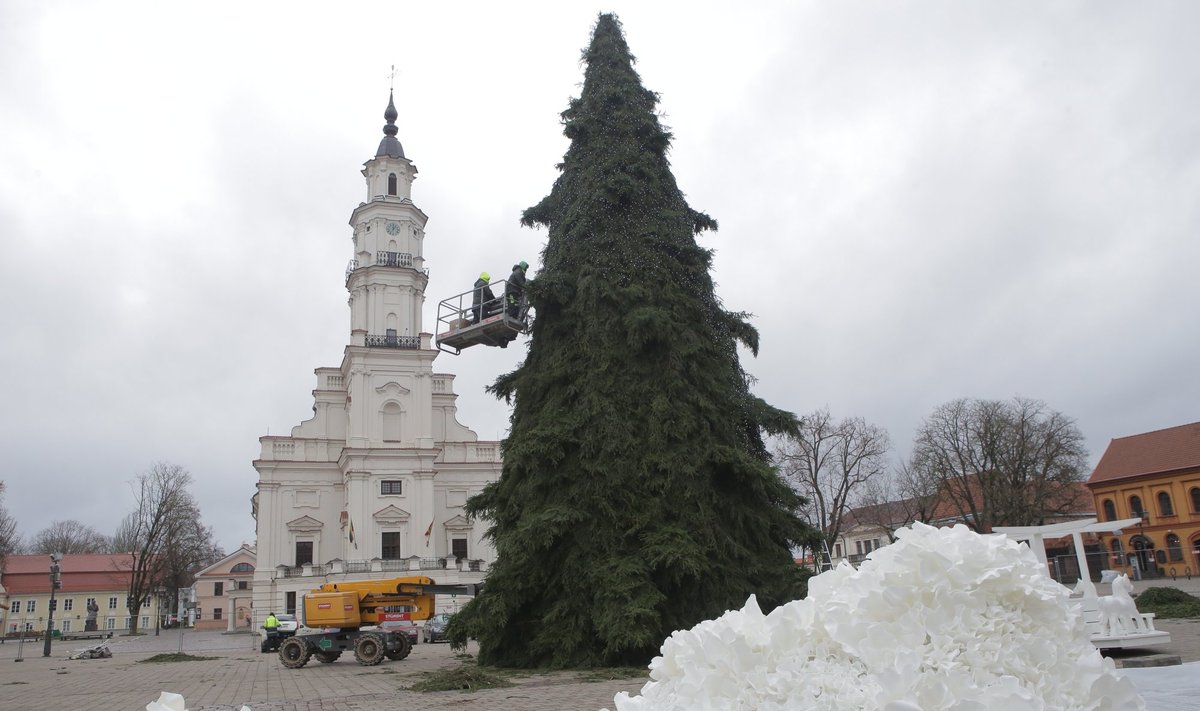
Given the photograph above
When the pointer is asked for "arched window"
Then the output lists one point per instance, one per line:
(1143, 552)
(1110, 510)
(391, 422)
(391, 184)
(1196, 499)
(1164, 504)
(1135, 505)
(242, 568)
(1174, 548)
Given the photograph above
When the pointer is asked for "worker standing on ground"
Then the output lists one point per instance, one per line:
(483, 298)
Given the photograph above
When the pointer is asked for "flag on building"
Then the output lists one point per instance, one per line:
(428, 533)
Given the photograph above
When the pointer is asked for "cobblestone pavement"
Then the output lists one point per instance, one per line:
(238, 674)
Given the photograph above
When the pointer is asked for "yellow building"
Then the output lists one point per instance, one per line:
(1155, 476)
(100, 580)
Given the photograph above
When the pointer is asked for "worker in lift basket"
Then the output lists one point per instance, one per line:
(482, 300)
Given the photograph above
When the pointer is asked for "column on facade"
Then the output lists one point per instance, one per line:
(425, 513)
(355, 483)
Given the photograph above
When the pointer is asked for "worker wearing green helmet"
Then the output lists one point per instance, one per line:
(514, 289)
(483, 301)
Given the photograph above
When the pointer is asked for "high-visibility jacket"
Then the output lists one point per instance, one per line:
(271, 623)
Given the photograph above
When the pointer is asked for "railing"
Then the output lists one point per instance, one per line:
(388, 565)
(393, 259)
(411, 342)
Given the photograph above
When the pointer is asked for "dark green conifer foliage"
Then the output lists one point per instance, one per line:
(637, 496)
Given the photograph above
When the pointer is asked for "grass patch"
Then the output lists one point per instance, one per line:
(1168, 603)
(614, 673)
(175, 657)
(466, 677)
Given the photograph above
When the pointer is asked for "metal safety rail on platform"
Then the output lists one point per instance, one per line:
(461, 324)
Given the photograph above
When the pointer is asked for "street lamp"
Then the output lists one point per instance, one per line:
(55, 584)
(158, 598)
(1144, 559)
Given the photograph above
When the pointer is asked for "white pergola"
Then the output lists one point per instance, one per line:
(1035, 536)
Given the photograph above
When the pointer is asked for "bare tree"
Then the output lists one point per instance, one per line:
(902, 497)
(189, 548)
(1014, 463)
(124, 539)
(69, 537)
(164, 509)
(10, 541)
(830, 463)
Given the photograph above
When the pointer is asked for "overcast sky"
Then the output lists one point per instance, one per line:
(918, 202)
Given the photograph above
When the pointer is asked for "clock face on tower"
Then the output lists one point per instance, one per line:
(393, 228)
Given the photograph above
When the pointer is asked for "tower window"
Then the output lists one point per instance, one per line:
(391, 184)
(391, 426)
(391, 487)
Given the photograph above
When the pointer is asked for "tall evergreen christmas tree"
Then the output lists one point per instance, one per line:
(637, 496)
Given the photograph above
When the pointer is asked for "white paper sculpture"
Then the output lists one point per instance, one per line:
(943, 620)
(172, 702)
(1118, 613)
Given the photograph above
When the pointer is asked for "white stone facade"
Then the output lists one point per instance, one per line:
(374, 484)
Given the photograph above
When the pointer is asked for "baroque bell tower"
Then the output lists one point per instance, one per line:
(387, 276)
(375, 483)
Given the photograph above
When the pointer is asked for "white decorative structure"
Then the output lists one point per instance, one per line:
(1118, 614)
(944, 619)
(374, 484)
(1112, 621)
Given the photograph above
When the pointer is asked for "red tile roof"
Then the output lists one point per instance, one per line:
(1156, 452)
(27, 574)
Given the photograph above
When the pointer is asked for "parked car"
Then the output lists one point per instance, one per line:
(287, 623)
(435, 627)
(287, 627)
(407, 627)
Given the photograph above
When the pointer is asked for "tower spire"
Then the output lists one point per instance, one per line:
(390, 145)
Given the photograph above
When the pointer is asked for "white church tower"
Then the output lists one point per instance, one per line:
(373, 485)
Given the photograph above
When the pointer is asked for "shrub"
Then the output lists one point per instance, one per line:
(1169, 603)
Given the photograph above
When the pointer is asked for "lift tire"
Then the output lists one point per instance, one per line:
(368, 650)
(404, 651)
(327, 657)
(294, 653)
